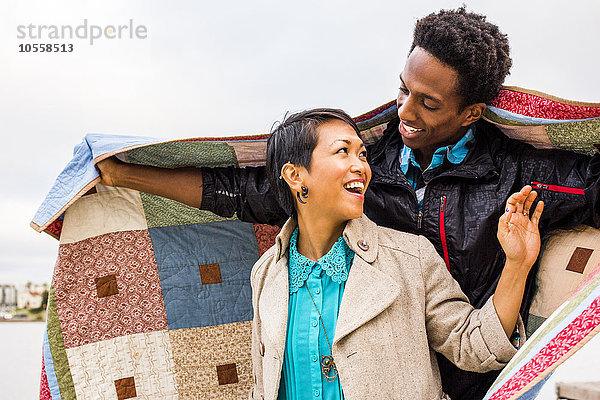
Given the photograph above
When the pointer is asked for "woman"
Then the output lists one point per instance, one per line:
(346, 309)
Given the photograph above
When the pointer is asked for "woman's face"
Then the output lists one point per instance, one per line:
(339, 173)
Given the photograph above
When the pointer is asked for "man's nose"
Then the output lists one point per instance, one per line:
(406, 109)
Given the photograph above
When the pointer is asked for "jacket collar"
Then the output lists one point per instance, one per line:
(368, 290)
(360, 235)
(385, 164)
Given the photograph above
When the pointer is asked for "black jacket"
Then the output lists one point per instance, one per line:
(460, 211)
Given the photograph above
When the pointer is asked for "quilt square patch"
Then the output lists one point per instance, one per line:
(194, 296)
(139, 366)
(107, 286)
(110, 209)
(213, 362)
(125, 388)
(227, 374)
(210, 273)
(565, 263)
(579, 259)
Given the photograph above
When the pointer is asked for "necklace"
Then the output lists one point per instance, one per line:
(328, 368)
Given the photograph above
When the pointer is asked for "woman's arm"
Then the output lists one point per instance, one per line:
(519, 237)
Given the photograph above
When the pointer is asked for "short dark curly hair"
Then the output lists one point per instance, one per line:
(474, 47)
(293, 141)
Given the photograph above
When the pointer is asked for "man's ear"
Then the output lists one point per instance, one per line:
(473, 113)
(292, 174)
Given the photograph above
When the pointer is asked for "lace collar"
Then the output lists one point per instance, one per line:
(335, 263)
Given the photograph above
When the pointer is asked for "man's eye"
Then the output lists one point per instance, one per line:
(404, 90)
(430, 108)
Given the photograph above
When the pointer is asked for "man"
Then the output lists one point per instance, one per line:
(438, 171)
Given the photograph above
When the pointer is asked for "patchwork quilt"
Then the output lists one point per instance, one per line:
(151, 299)
(564, 333)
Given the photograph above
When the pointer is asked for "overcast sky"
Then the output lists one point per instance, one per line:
(229, 68)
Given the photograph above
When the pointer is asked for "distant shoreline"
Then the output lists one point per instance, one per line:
(21, 320)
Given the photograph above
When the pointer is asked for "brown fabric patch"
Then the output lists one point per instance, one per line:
(227, 374)
(210, 273)
(107, 286)
(579, 259)
(125, 388)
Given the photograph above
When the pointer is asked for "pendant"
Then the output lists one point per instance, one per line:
(328, 368)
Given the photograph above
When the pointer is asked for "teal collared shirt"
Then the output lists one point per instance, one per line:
(455, 154)
(305, 340)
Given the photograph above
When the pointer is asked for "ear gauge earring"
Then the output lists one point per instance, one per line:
(304, 194)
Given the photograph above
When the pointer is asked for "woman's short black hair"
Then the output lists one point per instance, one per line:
(475, 48)
(293, 141)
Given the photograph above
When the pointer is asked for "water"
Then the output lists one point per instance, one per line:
(21, 360)
(21, 352)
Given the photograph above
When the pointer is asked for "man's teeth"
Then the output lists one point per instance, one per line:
(355, 185)
(411, 129)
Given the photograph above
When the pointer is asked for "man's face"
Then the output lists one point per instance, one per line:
(429, 106)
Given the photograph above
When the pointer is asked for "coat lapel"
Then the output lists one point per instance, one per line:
(368, 292)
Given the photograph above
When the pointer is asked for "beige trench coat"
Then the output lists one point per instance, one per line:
(399, 305)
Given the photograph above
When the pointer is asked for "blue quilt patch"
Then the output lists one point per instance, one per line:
(220, 254)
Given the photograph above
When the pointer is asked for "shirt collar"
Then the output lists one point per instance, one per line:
(454, 153)
(335, 263)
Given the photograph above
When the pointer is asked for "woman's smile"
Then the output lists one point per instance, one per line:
(338, 161)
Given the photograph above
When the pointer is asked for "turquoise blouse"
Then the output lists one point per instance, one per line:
(305, 341)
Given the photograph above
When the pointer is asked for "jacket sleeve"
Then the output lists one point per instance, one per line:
(472, 339)
(242, 191)
(569, 184)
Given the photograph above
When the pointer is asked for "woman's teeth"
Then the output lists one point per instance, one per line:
(356, 187)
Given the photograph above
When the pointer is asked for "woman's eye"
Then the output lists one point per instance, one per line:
(363, 154)
(343, 150)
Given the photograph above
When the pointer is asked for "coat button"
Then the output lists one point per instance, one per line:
(363, 245)
(261, 349)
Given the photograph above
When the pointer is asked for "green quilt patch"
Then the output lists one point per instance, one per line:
(185, 154)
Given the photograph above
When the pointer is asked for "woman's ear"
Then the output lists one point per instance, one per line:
(292, 174)
(473, 113)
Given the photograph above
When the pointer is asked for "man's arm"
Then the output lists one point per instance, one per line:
(181, 184)
(224, 191)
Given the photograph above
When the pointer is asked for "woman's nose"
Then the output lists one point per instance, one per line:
(358, 166)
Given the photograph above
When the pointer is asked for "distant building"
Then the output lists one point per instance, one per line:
(30, 295)
(8, 295)
(30, 299)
